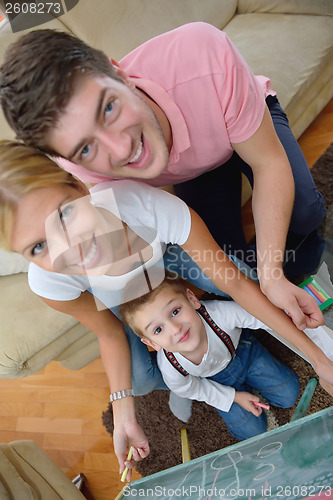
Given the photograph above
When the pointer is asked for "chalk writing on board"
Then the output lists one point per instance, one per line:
(293, 461)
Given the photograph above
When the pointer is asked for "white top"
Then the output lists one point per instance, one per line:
(231, 318)
(157, 216)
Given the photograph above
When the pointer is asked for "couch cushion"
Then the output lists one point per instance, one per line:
(42, 472)
(11, 482)
(33, 475)
(130, 23)
(32, 334)
(4, 495)
(305, 64)
(319, 7)
(12, 263)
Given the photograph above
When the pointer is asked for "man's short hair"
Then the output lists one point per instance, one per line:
(128, 309)
(38, 78)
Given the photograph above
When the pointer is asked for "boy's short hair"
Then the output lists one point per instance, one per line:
(38, 77)
(128, 309)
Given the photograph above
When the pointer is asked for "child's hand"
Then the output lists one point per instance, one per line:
(246, 401)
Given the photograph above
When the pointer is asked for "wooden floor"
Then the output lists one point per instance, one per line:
(61, 409)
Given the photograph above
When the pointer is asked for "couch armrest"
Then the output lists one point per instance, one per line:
(29, 473)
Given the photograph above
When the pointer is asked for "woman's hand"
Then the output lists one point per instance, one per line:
(127, 433)
(123, 438)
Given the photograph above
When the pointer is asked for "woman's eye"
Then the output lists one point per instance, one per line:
(157, 330)
(175, 311)
(66, 212)
(39, 248)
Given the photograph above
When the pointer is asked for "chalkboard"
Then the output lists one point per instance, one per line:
(294, 461)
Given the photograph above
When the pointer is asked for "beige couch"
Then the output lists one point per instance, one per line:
(291, 41)
(28, 473)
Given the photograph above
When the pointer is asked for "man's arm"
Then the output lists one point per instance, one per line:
(115, 355)
(228, 278)
(272, 202)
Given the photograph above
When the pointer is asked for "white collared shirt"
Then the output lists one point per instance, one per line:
(231, 318)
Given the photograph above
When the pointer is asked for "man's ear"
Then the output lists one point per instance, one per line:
(114, 63)
(122, 73)
(193, 299)
(151, 344)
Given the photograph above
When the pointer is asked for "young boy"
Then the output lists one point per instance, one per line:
(207, 353)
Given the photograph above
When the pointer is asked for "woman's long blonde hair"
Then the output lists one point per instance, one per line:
(24, 169)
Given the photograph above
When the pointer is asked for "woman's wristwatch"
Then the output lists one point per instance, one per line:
(121, 394)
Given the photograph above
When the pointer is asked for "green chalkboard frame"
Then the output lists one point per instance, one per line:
(293, 461)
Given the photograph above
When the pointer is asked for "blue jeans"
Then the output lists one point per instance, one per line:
(255, 368)
(146, 375)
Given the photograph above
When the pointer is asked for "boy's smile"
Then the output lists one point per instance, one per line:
(171, 322)
(110, 127)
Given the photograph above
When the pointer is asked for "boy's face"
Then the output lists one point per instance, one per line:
(60, 230)
(109, 128)
(171, 322)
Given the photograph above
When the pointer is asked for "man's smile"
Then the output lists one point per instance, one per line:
(138, 153)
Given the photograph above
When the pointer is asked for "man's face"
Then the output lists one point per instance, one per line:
(108, 128)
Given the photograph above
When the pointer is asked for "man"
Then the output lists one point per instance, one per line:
(183, 109)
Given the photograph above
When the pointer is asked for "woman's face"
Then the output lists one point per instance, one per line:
(60, 230)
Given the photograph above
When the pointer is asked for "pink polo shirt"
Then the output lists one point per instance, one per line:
(207, 91)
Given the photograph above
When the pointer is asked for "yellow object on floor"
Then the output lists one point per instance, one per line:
(186, 455)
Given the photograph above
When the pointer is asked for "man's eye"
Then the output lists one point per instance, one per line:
(109, 108)
(39, 248)
(175, 311)
(85, 151)
(157, 330)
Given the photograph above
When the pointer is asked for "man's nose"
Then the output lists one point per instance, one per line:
(117, 146)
